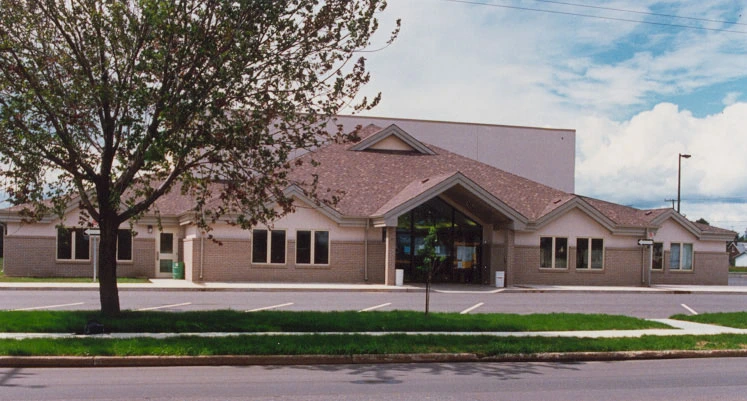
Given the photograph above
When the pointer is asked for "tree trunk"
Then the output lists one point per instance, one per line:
(108, 291)
(427, 292)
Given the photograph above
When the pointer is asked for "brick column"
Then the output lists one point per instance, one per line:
(390, 255)
(509, 255)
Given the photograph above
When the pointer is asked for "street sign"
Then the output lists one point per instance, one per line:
(645, 242)
(95, 232)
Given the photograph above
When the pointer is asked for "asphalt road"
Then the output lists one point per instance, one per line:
(694, 379)
(641, 305)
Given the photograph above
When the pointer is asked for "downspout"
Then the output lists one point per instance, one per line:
(365, 252)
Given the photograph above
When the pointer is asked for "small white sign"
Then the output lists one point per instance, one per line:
(645, 242)
(93, 232)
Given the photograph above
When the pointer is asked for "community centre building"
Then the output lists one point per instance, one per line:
(500, 199)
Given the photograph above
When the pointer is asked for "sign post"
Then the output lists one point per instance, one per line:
(650, 244)
(94, 234)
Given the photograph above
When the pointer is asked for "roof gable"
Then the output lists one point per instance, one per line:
(392, 138)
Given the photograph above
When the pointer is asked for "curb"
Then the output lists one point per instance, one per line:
(356, 359)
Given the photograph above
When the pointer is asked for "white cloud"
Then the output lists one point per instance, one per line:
(609, 80)
(731, 98)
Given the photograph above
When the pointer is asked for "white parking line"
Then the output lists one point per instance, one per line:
(164, 306)
(471, 308)
(270, 307)
(49, 306)
(691, 310)
(375, 307)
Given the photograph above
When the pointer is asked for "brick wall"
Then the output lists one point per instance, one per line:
(231, 261)
(35, 257)
(622, 267)
(709, 268)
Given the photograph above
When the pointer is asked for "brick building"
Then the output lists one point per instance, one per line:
(394, 186)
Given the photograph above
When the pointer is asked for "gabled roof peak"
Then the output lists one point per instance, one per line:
(393, 139)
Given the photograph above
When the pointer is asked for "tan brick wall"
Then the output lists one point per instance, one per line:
(231, 262)
(709, 268)
(376, 262)
(35, 257)
(622, 267)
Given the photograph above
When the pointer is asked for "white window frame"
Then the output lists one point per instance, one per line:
(589, 252)
(313, 248)
(268, 260)
(552, 254)
(73, 255)
(681, 246)
(661, 245)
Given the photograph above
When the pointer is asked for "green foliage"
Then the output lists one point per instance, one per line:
(703, 221)
(277, 321)
(431, 260)
(360, 344)
(114, 104)
(727, 319)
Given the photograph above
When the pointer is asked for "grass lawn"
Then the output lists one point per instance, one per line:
(360, 344)
(728, 319)
(737, 269)
(269, 321)
(5, 279)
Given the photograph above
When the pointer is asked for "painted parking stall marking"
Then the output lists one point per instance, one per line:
(49, 306)
(375, 307)
(164, 306)
(471, 308)
(270, 307)
(689, 309)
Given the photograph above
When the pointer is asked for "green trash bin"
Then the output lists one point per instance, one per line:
(177, 271)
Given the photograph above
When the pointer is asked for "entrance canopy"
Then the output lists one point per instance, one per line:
(458, 190)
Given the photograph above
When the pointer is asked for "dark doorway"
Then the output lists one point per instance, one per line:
(459, 239)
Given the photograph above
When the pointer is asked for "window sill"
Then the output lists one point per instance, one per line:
(678, 271)
(592, 271)
(313, 267)
(271, 266)
(72, 261)
(553, 269)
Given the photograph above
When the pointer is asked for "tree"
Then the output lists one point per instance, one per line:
(112, 104)
(703, 221)
(432, 262)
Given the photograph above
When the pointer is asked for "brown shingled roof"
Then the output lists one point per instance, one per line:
(373, 179)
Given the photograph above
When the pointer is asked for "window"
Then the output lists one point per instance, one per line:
(681, 256)
(124, 245)
(589, 253)
(553, 252)
(268, 243)
(312, 245)
(72, 244)
(658, 258)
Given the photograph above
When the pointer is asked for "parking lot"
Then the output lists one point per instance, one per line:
(644, 305)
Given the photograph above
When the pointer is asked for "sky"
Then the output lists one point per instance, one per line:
(640, 82)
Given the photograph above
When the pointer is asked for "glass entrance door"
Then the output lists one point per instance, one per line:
(459, 242)
(167, 252)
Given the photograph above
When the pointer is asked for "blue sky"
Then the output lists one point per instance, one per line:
(636, 93)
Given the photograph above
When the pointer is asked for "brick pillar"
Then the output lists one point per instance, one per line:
(509, 255)
(390, 255)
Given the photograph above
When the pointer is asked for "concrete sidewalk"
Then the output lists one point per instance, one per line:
(183, 285)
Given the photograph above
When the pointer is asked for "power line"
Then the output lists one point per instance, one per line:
(596, 16)
(641, 12)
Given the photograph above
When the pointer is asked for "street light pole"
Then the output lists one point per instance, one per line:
(679, 177)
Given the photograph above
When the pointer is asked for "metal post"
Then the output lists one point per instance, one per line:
(95, 256)
(679, 177)
(650, 262)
